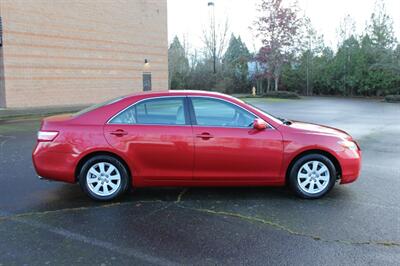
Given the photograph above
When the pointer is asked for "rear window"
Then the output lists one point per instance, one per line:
(95, 106)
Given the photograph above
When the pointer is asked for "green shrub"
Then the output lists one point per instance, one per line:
(392, 98)
(282, 94)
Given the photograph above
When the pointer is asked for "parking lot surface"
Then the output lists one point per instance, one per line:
(54, 223)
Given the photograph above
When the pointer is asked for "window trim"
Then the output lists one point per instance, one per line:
(192, 113)
(185, 111)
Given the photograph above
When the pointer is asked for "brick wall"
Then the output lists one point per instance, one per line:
(70, 52)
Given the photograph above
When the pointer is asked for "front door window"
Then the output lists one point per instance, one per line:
(218, 113)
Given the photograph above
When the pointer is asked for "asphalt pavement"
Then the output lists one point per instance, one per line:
(49, 223)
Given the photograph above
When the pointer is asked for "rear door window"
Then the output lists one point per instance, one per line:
(161, 111)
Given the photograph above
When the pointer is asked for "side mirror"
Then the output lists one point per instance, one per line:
(260, 124)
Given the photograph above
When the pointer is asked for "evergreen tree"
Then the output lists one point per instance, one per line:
(235, 64)
(178, 65)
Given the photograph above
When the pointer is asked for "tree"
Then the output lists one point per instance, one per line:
(300, 71)
(347, 65)
(178, 65)
(346, 33)
(214, 39)
(379, 51)
(265, 69)
(279, 29)
(380, 28)
(313, 44)
(323, 65)
(235, 64)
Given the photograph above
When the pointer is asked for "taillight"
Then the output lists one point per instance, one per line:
(47, 135)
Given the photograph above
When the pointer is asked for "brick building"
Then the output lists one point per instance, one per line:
(74, 52)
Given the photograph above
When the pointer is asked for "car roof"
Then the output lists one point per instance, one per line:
(177, 93)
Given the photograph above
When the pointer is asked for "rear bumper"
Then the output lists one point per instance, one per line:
(51, 165)
(350, 162)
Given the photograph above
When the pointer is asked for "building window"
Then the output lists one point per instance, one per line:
(146, 81)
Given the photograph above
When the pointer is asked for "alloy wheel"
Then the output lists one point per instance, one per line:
(313, 177)
(103, 179)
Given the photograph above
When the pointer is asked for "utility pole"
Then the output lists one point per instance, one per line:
(211, 6)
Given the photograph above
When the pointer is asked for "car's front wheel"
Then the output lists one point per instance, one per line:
(312, 176)
(103, 178)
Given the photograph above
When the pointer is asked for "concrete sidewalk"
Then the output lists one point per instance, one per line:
(11, 113)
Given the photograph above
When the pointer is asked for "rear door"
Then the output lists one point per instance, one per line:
(228, 148)
(156, 136)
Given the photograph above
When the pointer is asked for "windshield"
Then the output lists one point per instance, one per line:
(95, 106)
(277, 119)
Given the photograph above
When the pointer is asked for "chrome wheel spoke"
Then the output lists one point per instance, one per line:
(113, 186)
(97, 187)
(311, 187)
(314, 165)
(105, 188)
(93, 180)
(319, 185)
(322, 170)
(110, 169)
(307, 168)
(306, 181)
(94, 172)
(303, 176)
(115, 177)
(101, 167)
(324, 178)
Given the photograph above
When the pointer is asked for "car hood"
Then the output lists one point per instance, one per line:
(319, 129)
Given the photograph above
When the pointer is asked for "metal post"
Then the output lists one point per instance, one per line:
(211, 5)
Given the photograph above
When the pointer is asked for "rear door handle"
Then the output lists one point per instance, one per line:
(205, 136)
(119, 133)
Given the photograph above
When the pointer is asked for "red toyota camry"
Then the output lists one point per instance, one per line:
(191, 138)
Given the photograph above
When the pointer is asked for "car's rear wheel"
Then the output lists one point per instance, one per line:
(103, 178)
(312, 176)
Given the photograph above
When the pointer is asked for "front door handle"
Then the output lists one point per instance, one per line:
(205, 136)
(119, 133)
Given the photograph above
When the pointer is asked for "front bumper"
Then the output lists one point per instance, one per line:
(350, 162)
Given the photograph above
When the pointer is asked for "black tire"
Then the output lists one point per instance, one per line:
(293, 180)
(108, 160)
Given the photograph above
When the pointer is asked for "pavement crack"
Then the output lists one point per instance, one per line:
(42, 213)
(291, 231)
(183, 192)
(178, 203)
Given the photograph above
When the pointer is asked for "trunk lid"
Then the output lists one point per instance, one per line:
(54, 122)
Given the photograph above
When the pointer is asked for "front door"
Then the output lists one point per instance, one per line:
(157, 137)
(228, 148)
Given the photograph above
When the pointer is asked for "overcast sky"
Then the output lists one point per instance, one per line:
(189, 17)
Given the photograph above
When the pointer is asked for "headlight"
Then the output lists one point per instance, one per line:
(348, 144)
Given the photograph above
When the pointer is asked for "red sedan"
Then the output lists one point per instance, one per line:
(191, 138)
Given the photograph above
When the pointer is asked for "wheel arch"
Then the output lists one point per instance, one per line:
(90, 155)
(330, 156)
